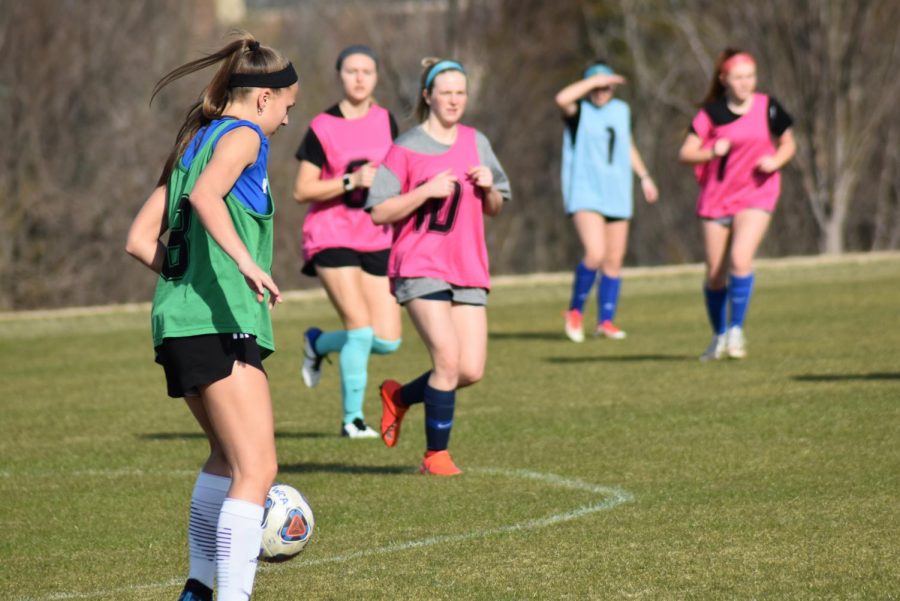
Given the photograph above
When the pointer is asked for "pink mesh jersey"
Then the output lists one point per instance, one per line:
(342, 222)
(732, 183)
(444, 238)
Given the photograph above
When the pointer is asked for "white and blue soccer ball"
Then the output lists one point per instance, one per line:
(287, 524)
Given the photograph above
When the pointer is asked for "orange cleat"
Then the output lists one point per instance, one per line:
(573, 325)
(438, 463)
(392, 412)
(608, 330)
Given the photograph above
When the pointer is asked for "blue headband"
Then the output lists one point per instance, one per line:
(599, 68)
(439, 68)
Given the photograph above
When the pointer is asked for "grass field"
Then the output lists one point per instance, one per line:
(606, 470)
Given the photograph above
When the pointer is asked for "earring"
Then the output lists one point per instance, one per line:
(259, 111)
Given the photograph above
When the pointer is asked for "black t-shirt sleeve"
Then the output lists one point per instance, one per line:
(311, 149)
(395, 131)
(779, 119)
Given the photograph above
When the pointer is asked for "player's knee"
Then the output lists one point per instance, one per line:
(716, 276)
(593, 260)
(446, 373)
(612, 269)
(741, 265)
(470, 375)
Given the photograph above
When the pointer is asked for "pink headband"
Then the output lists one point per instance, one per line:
(734, 60)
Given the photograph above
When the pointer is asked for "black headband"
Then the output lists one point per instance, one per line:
(277, 79)
(356, 49)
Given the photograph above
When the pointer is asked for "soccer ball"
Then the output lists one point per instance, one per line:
(287, 524)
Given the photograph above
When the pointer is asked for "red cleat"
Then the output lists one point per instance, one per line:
(392, 412)
(439, 463)
(610, 331)
(573, 325)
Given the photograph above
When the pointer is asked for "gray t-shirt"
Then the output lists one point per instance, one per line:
(387, 184)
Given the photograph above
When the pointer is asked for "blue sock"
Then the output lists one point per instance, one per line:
(380, 346)
(354, 365)
(608, 297)
(740, 289)
(584, 281)
(330, 342)
(414, 392)
(439, 406)
(716, 308)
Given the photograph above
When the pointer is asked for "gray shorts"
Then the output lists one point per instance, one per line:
(728, 220)
(407, 289)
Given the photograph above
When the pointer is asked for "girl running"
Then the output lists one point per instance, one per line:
(599, 157)
(338, 157)
(210, 317)
(737, 143)
(435, 185)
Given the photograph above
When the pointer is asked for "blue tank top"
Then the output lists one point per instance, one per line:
(596, 162)
(252, 186)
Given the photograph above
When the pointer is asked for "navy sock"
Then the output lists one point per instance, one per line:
(581, 287)
(439, 406)
(716, 308)
(414, 392)
(608, 297)
(740, 289)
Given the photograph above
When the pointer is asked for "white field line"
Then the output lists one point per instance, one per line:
(501, 281)
(608, 498)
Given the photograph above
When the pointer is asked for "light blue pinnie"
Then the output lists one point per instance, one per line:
(596, 160)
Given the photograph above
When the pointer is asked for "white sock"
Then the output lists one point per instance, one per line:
(206, 502)
(237, 546)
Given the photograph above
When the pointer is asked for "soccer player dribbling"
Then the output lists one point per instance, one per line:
(349, 253)
(738, 142)
(210, 317)
(436, 184)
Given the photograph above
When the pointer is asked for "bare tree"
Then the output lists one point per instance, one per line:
(83, 149)
(79, 156)
(833, 62)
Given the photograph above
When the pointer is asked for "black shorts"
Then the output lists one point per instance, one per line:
(373, 263)
(194, 361)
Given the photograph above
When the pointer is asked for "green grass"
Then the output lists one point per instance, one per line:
(777, 477)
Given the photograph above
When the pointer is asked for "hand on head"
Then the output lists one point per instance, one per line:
(603, 80)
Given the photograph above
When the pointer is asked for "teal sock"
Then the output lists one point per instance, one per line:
(354, 363)
(380, 346)
(331, 342)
